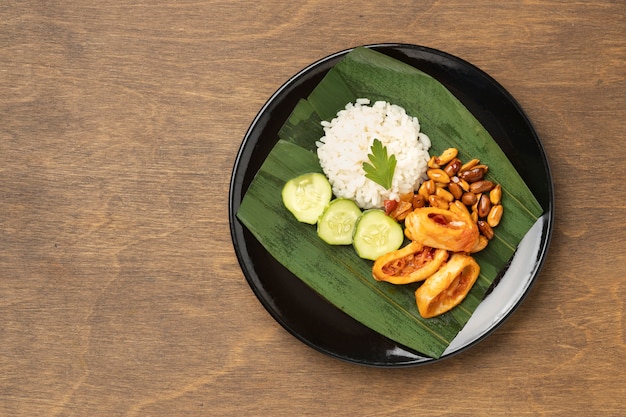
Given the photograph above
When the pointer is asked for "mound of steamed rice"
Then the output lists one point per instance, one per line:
(347, 141)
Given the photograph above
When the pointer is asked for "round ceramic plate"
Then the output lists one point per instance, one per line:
(318, 323)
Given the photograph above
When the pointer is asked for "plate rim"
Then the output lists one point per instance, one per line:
(244, 148)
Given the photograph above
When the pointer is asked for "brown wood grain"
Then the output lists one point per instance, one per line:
(120, 293)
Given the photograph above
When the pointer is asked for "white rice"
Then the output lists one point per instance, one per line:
(347, 141)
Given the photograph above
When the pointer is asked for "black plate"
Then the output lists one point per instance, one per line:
(321, 325)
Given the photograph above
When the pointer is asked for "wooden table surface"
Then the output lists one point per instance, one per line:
(120, 291)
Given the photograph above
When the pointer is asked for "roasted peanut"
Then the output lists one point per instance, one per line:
(438, 175)
(464, 184)
(446, 156)
(475, 208)
(422, 191)
(456, 190)
(484, 206)
(431, 186)
(495, 195)
(452, 167)
(432, 163)
(483, 166)
(469, 164)
(407, 197)
(472, 174)
(474, 216)
(495, 215)
(469, 199)
(485, 229)
(445, 194)
(481, 186)
(427, 188)
(458, 206)
(438, 202)
(481, 243)
(418, 201)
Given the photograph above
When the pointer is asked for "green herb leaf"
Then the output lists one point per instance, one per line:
(382, 166)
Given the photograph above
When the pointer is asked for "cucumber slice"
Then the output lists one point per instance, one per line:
(336, 225)
(306, 196)
(376, 234)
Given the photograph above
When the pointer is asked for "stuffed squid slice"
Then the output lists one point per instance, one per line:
(412, 263)
(452, 229)
(448, 286)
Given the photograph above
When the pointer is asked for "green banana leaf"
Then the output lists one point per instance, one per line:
(337, 273)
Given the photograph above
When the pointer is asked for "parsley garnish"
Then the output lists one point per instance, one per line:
(382, 166)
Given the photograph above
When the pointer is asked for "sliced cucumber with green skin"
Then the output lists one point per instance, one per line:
(306, 196)
(336, 225)
(376, 234)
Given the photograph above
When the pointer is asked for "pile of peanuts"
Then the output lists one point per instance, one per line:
(450, 180)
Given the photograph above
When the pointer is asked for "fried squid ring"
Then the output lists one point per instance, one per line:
(452, 229)
(447, 287)
(414, 262)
